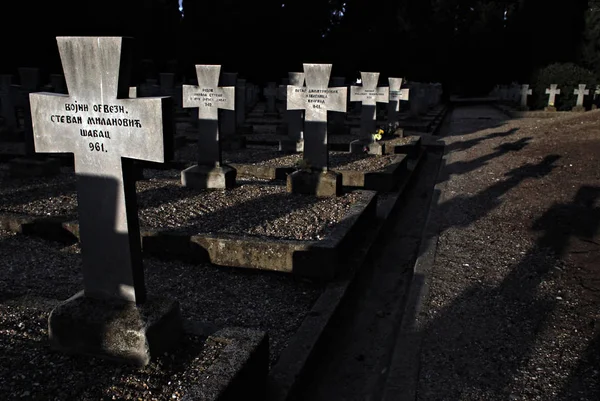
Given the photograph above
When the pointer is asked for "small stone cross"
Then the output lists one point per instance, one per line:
(552, 91)
(581, 92)
(525, 91)
(208, 98)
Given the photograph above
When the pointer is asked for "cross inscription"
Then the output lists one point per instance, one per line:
(208, 98)
(106, 131)
(581, 92)
(316, 99)
(552, 91)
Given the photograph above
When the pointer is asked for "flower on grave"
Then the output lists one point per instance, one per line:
(551, 104)
(377, 135)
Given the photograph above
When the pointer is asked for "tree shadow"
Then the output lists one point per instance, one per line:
(481, 340)
(463, 167)
(468, 144)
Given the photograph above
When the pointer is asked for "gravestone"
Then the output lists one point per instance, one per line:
(369, 94)
(240, 103)
(581, 92)
(270, 93)
(294, 120)
(525, 91)
(7, 109)
(208, 98)
(337, 121)
(112, 317)
(397, 94)
(58, 84)
(596, 96)
(316, 99)
(228, 133)
(552, 92)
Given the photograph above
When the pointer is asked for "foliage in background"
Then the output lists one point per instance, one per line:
(567, 76)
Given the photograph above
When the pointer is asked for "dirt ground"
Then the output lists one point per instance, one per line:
(514, 307)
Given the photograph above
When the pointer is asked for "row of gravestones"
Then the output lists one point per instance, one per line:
(518, 95)
(106, 130)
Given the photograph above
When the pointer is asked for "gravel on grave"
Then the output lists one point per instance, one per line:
(36, 273)
(255, 207)
(271, 157)
(514, 303)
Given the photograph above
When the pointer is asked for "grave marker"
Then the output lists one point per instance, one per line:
(7, 109)
(552, 91)
(369, 94)
(581, 92)
(525, 91)
(397, 93)
(270, 92)
(208, 98)
(106, 131)
(294, 119)
(316, 99)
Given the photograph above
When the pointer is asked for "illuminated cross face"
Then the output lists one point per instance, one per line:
(369, 95)
(552, 91)
(581, 92)
(208, 98)
(316, 99)
(106, 131)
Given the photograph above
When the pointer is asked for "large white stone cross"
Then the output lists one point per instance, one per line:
(106, 131)
(316, 99)
(208, 97)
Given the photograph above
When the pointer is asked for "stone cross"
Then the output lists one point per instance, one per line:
(228, 117)
(106, 131)
(552, 91)
(396, 95)
(525, 91)
(294, 118)
(208, 97)
(581, 92)
(7, 109)
(316, 99)
(240, 102)
(369, 95)
(270, 93)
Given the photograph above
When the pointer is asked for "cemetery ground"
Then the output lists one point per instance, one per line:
(502, 303)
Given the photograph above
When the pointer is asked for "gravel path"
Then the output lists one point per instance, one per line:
(49, 271)
(514, 312)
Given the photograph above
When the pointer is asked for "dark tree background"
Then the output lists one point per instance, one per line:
(469, 45)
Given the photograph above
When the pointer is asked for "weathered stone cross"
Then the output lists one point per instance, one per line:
(581, 92)
(525, 91)
(208, 98)
(369, 95)
(271, 93)
(105, 131)
(552, 91)
(396, 95)
(316, 99)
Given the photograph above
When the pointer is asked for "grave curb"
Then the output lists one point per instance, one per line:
(294, 361)
(315, 259)
(383, 180)
(240, 370)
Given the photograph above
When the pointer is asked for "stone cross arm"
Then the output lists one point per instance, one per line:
(132, 128)
(316, 102)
